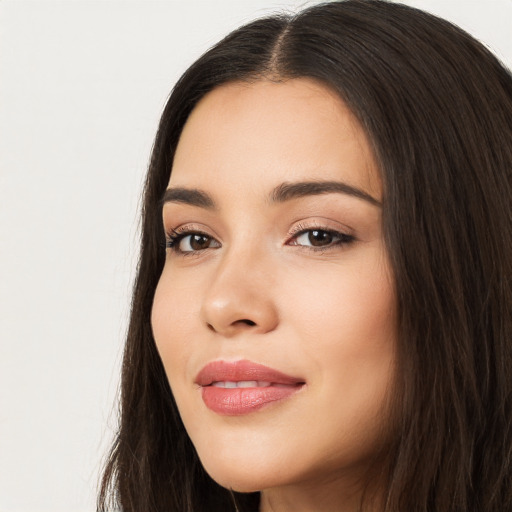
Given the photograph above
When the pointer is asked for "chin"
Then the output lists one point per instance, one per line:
(245, 478)
(244, 483)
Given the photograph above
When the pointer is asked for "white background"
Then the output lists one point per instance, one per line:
(82, 85)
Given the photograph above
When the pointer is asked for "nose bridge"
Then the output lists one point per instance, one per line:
(240, 292)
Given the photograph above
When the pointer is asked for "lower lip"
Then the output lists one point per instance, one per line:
(238, 401)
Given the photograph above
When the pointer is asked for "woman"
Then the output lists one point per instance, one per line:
(322, 314)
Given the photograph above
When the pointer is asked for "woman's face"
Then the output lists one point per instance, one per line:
(275, 312)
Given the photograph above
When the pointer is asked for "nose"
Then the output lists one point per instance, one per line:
(240, 297)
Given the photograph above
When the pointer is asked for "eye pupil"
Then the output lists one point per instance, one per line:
(199, 242)
(319, 238)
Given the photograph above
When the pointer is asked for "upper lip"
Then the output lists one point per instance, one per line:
(236, 371)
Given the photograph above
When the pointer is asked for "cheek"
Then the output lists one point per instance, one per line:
(351, 306)
(171, 320)
(347, 324)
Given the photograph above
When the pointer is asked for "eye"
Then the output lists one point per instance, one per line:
(190, 242)
(321, 238)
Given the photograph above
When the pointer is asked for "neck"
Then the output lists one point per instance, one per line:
(333, 496)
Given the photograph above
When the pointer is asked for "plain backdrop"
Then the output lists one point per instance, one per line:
(82, 85)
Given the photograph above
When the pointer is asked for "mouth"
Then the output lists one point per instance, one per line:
(241, 384)
(242, 387)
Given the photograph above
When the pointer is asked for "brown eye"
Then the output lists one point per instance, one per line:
(198, 242)
(318, 238)
(315, 238)
(321, 238)
(191, 242)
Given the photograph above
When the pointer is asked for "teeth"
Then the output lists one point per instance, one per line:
(247, 384)
(224, 384)
(241, 384)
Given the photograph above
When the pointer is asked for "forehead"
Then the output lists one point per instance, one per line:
(264, 133)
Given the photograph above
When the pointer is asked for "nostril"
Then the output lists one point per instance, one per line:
(239, 323)
(247, 322)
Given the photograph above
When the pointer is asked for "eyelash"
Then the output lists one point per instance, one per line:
(342, 238)
(174, 238)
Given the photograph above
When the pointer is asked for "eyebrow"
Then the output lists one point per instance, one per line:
(287, 191)
(191, 196)
(282, 193)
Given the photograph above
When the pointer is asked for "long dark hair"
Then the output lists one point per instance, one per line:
(437, 109)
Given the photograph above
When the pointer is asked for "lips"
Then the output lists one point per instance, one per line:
(242, 387)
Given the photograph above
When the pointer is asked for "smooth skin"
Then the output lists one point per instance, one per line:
(299, 282)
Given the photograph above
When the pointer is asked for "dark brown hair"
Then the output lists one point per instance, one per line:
(437, 108)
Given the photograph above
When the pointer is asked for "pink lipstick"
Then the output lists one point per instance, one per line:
(242, 387)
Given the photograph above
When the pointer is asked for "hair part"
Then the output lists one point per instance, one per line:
(437, 109)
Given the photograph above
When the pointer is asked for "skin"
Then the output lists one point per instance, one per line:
(257, 289)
